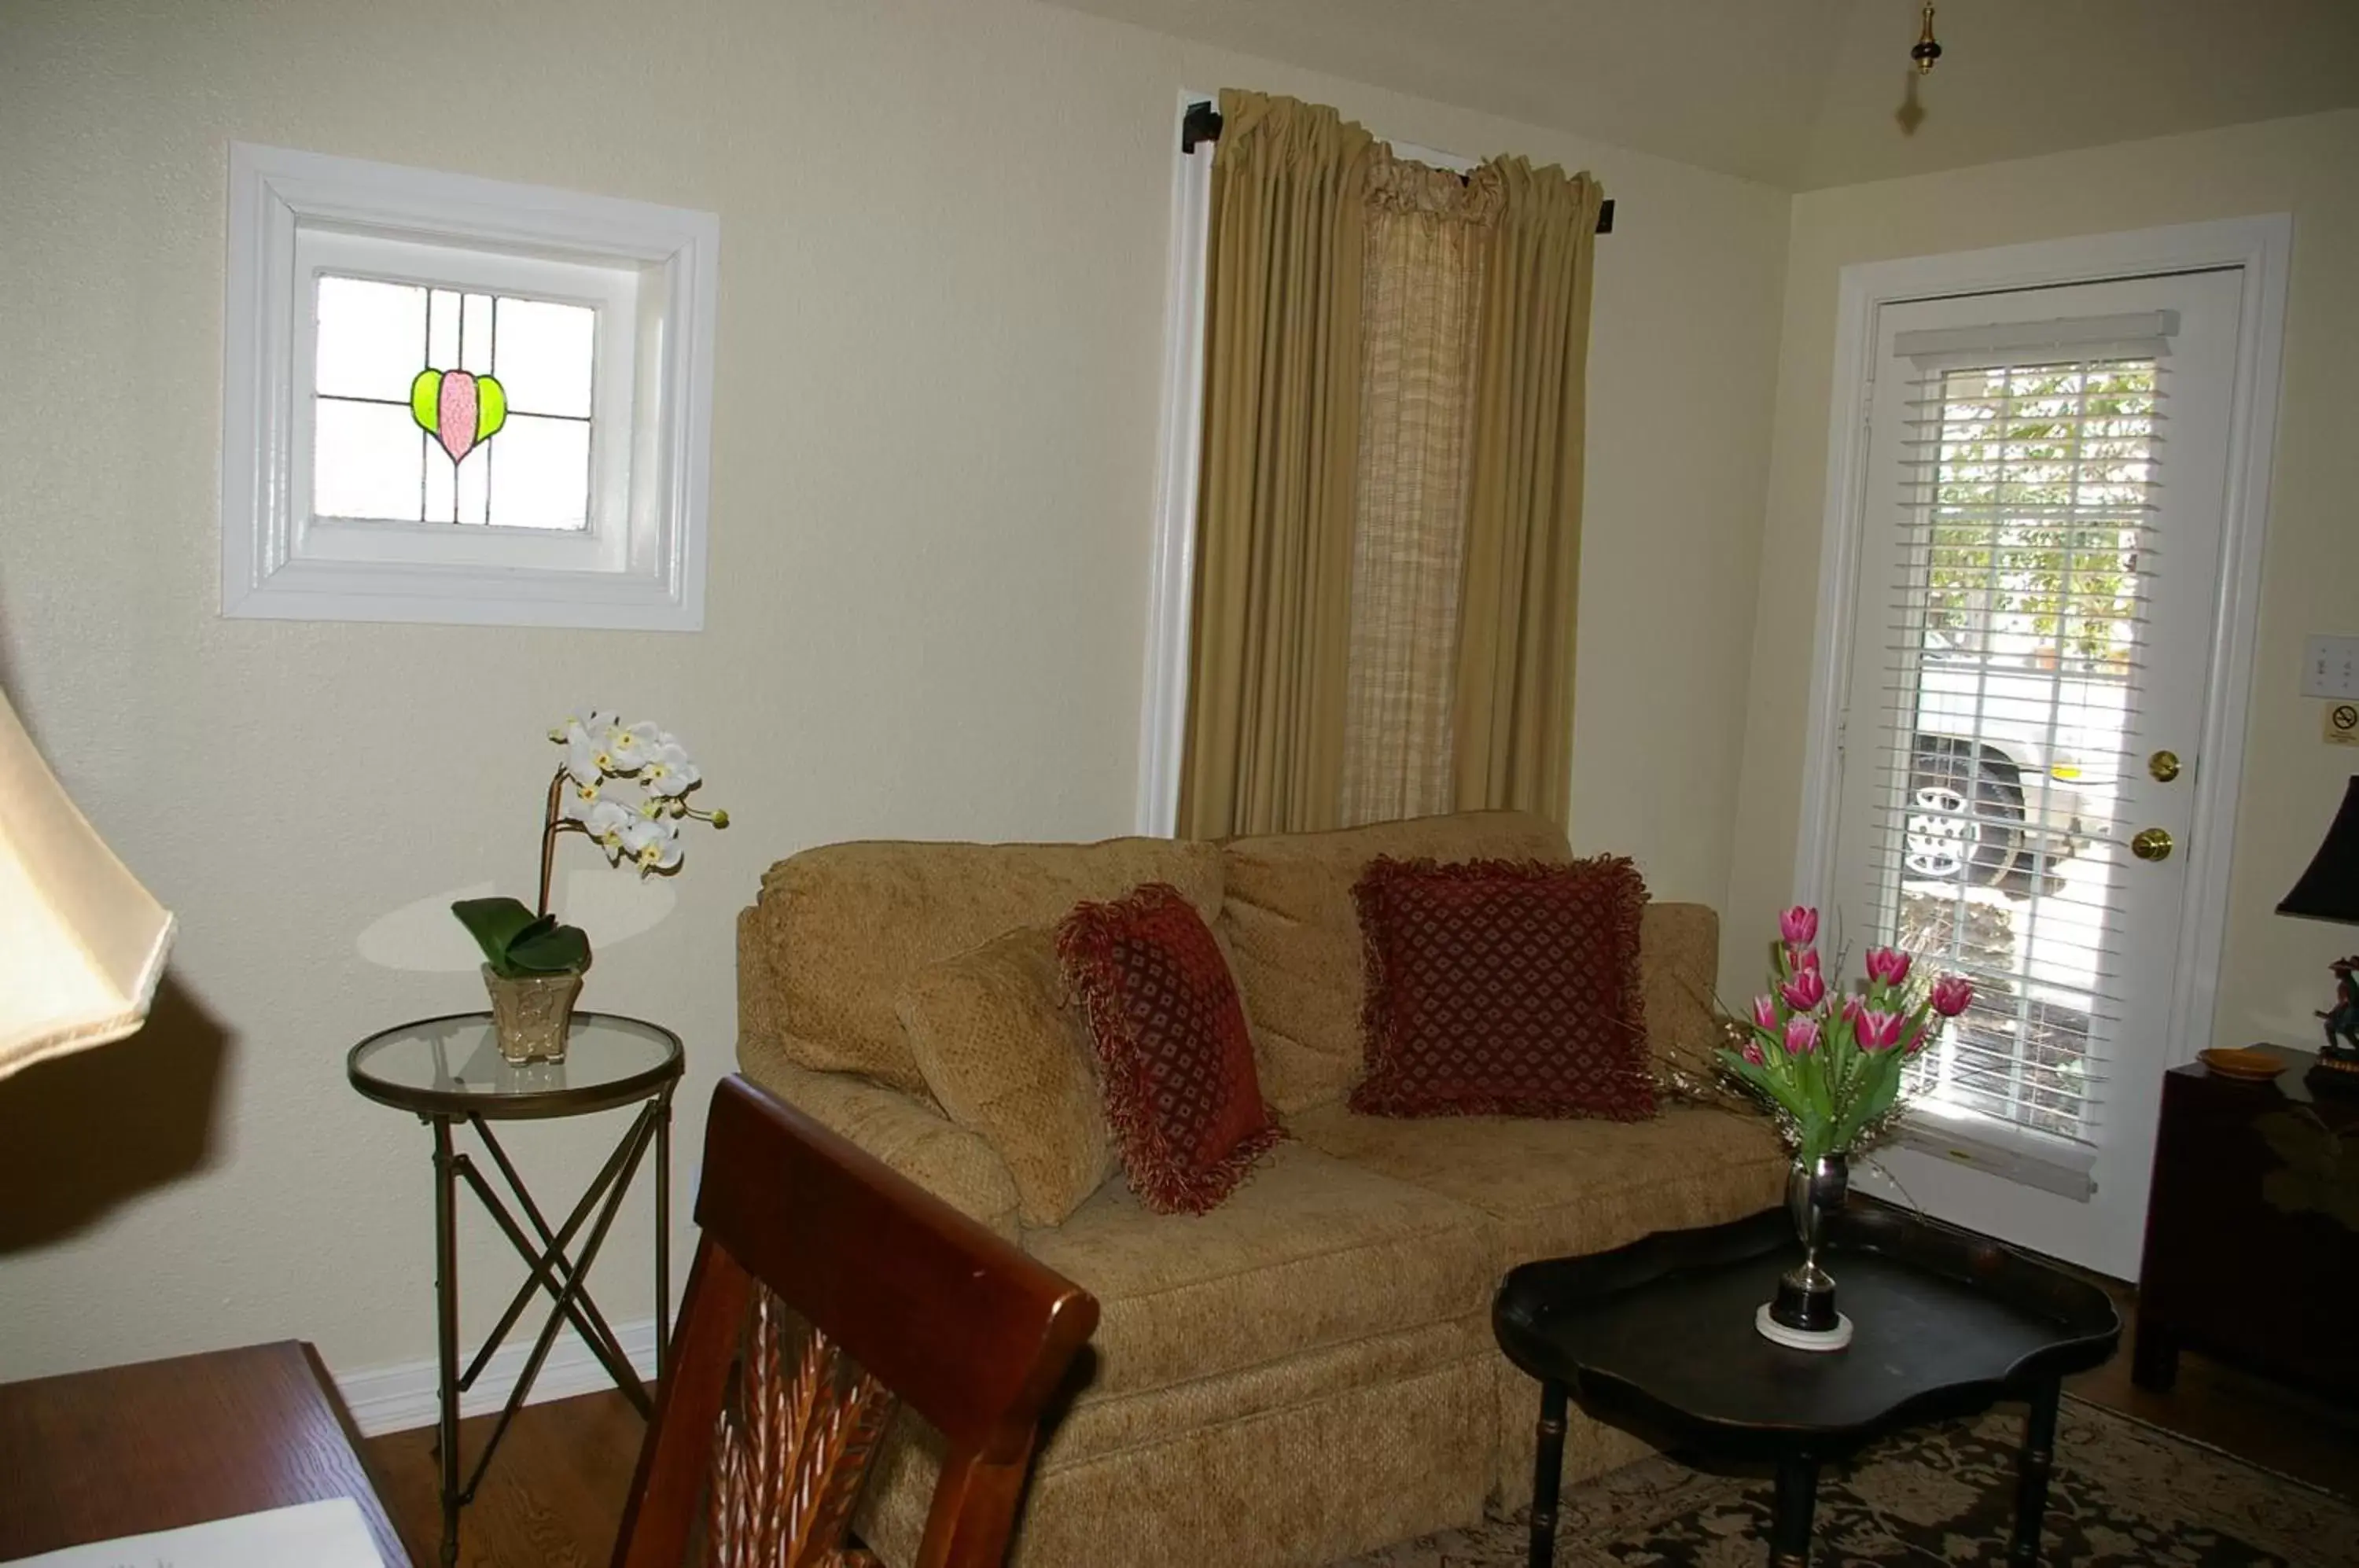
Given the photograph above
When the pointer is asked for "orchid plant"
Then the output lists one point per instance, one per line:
(1828, 1062)
(626, 787)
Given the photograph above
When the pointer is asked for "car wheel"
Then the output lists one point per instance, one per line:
(1959, 826)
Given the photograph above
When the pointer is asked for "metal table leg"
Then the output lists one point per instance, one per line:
(1547, 1474)
(663, 1234)
(2032, 1470)
(446, 1332)
(553, 1269)
(1797, 1496)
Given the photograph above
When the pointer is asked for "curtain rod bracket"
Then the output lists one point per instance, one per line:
(1202, 123)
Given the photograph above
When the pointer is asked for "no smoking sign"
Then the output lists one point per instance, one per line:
(2343, 724)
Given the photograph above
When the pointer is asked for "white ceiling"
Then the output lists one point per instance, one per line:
(1802, 93)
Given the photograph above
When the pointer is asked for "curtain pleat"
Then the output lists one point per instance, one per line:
(1520, 589)
(1429, 233)
(1270, 626)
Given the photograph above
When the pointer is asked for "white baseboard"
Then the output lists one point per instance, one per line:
(398, 1397)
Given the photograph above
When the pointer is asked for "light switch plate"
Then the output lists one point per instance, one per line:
(2329, 667)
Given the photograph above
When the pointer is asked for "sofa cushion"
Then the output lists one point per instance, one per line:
(1558, 1188)
(1006, 1056)
(1500, 988)
(1175, 1055)
(1310, 1252)
(839, 929)
(1290, 926)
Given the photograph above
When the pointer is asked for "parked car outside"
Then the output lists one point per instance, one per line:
(2013, 765)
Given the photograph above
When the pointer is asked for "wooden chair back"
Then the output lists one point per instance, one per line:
(826, 1289)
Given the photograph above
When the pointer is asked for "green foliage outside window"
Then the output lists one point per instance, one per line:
(2039, 494)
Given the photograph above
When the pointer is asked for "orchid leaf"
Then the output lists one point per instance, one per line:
(556, 949)
(516, 942)
(493, 923)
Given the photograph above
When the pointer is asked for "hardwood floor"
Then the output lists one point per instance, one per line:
(554, 1496)
(552, 1499)
(2272, 1424)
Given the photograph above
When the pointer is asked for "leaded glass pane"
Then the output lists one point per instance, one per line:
(370, 338)
(369, 460)
(540, 473)
(543, 356)
(442, 329)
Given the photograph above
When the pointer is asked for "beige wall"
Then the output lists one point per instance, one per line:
(942, 274)
(2274, 973)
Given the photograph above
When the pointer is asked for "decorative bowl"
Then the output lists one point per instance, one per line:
(2243, 1061)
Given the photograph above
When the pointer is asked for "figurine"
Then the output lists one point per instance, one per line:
(2343, 1022)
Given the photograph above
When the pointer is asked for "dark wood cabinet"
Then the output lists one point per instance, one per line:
(2252, 1233)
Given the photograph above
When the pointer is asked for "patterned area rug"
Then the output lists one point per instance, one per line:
(2125, 1495)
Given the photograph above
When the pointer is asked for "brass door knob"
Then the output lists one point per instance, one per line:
(2164, 766)
(2151, 844)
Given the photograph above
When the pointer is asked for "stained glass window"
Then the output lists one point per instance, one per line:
(442, 406)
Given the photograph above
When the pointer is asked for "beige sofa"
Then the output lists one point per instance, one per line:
(1308, 1370)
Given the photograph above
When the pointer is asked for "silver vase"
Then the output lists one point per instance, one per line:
(1806, 1292)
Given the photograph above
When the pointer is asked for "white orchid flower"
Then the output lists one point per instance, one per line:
(589, 719)
(628, 746)
(588, 757)
(608, 823)
(623, 785)
(668, 770)
(585, 760)
(653, 843)
(577, 802)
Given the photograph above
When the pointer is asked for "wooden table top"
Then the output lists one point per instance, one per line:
(127, 1450)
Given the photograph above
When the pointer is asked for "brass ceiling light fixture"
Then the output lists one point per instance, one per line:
(1928, 48)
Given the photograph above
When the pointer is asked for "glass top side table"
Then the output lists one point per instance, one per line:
(449, 1070)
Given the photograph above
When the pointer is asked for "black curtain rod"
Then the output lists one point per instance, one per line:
(1202, 123)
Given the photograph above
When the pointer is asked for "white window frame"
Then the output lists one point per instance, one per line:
(2261, 247)
(650, 272)
(1171, 564)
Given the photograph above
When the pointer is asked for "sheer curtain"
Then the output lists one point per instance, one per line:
(1429, 235)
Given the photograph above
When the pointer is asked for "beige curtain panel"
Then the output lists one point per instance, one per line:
(1389, 517)
(1428, 238)
(1521, 588)
(1269, 638)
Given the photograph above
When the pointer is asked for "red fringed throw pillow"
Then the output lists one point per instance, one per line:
(1181, 1096)
(1498, 989)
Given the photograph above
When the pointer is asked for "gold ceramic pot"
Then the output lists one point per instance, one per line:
(532, 1014)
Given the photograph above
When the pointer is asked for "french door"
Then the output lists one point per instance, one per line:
(2031, 643)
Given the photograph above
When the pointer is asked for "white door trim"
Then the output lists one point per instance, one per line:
(2259, 247)
(1171, 560)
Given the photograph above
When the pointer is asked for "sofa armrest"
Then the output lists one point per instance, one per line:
(1679, 962)
(906, 1134)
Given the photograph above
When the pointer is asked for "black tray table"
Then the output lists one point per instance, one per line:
(1658, 1337)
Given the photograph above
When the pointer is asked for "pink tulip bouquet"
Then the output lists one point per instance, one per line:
(1828, 1062)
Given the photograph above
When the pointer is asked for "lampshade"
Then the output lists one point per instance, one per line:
(2329, 890)
(81, 942)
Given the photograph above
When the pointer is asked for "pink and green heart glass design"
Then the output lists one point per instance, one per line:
(458, 409)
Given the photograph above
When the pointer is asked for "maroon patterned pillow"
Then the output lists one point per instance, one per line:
(1498, 989)
(1181, 1096)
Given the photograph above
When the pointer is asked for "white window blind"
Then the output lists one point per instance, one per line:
(2003, 716)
